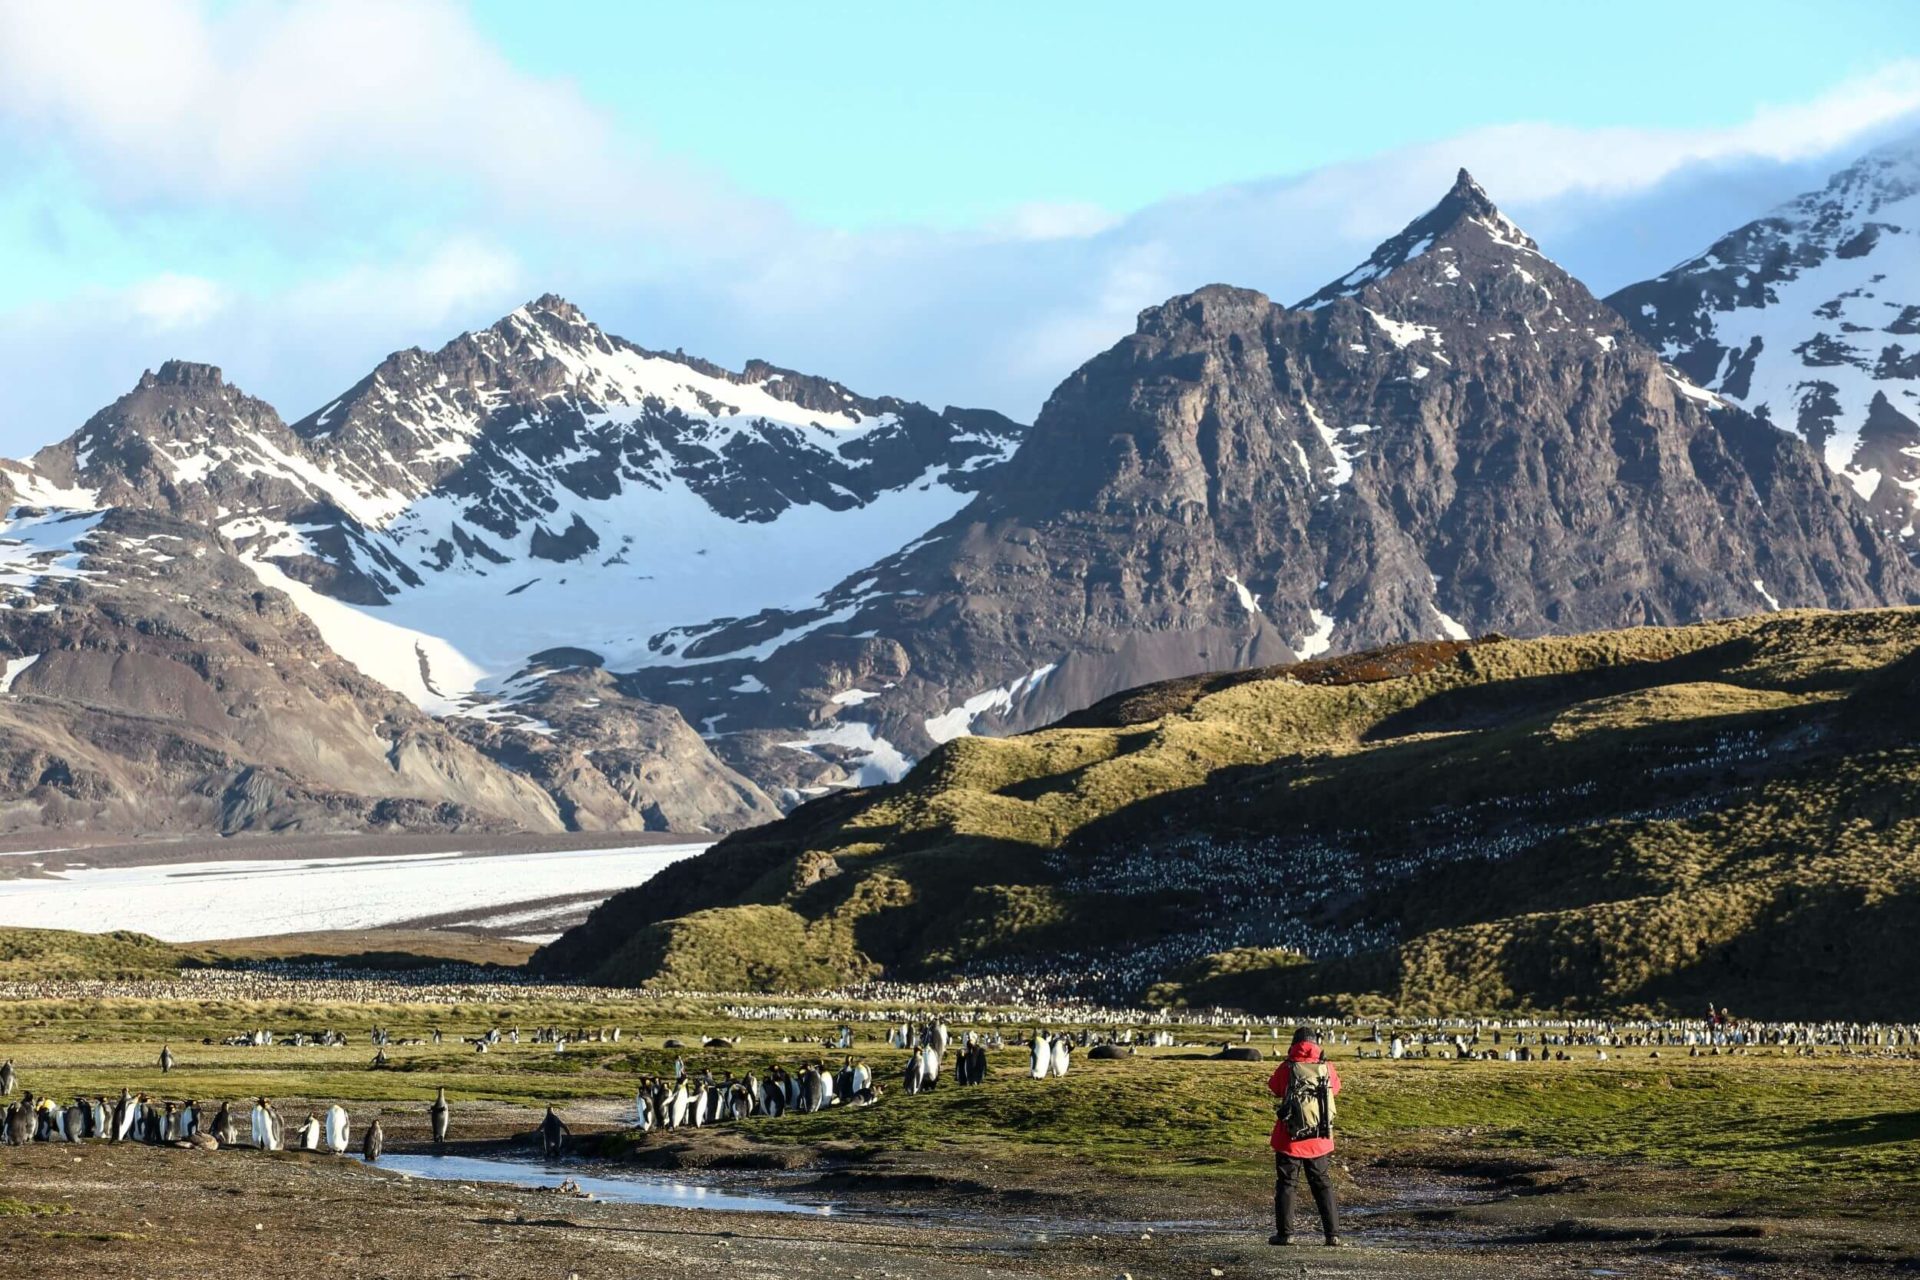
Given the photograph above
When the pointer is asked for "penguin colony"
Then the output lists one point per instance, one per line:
(141, 1118)
(697, 1099)
(689, 1100)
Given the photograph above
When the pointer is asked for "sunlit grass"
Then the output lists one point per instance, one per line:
(1779, 1126)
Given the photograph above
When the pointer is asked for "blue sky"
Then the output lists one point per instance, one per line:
(953, 203)
(864, 114)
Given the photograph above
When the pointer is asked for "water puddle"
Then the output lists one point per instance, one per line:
(614, 1187)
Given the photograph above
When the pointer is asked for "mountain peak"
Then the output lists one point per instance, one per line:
(1468, 202)
(1469, 194)
(548, 317)
(1888, 174)
(1808, 313)
(552, 304)
(185, 374)
(1899, 155)
(1465, 209)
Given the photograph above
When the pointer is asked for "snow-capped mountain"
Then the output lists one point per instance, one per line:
(538, 485)
(491, 528)
(1810, 317)
(1456, 437)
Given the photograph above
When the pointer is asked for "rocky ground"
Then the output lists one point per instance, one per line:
(108, 1211)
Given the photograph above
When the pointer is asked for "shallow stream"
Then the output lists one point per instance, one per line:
(614, 1186)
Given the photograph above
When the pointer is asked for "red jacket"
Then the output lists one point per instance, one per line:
(1306, 1148)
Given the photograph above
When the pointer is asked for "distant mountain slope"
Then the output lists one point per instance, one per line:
(541, 485)
(1649, 818)
(1810, 316)
(150, 685)
(1453, 438)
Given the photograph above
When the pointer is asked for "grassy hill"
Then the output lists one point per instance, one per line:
(1642, 819)
(38, 955)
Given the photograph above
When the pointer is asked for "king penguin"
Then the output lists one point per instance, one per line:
(265, 1126)
(338, 1137)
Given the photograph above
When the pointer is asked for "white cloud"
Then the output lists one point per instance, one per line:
(279, 105)
(457, 278)
(1040, 220)
(294, 346)
(168, 302)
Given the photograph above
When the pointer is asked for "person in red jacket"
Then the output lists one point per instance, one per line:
(1293, 1157)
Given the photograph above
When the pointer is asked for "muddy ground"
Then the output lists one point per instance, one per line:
(97, 1210)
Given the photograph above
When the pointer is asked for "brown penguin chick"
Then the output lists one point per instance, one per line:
(375, 1140)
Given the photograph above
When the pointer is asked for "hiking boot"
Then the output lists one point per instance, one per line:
(1277, 1238)
(1335, 1242)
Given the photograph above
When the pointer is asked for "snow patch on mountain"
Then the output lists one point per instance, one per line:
(667, 567)
(33, 489)
(40, 545)
(1404, 334)
(427, 669)
(957, 722)
(13, 669)
(1318, 640)
(1341, 471)
(1248, 600)
(1692, 392)
(876, 760)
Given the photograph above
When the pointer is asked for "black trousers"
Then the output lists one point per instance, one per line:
(1286, 1173)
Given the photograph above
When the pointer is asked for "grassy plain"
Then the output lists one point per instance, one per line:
(1776, 1126)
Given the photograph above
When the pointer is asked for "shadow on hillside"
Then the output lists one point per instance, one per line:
(1485, 706)
(1841, 952)
(1857, 1131)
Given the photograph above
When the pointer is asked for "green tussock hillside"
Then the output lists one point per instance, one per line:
(38, 955)
(1644, 819)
